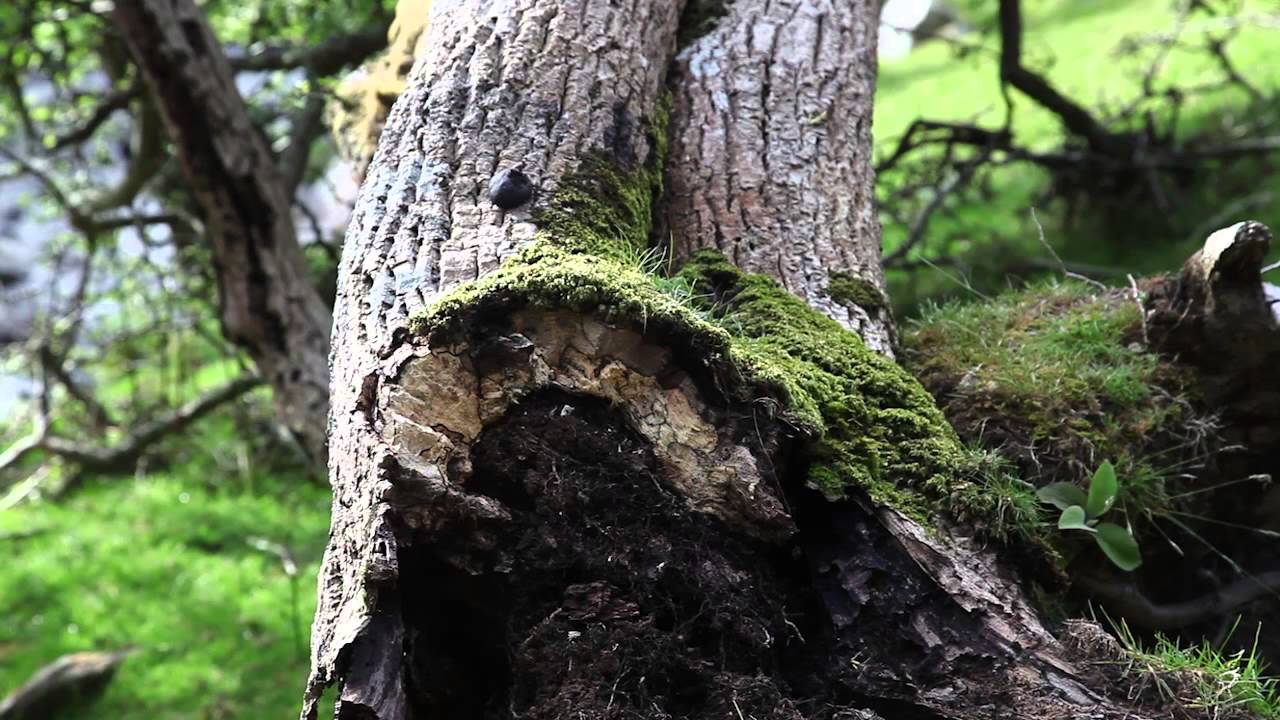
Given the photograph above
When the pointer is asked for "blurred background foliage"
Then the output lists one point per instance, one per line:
(198, 549)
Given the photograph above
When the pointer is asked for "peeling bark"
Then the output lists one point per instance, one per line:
(267, 304)
(771, 149)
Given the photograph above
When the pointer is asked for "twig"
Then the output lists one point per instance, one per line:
(126, 452)
(1061, 265)
(1142, 312)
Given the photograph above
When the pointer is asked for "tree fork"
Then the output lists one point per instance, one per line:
(565, 484)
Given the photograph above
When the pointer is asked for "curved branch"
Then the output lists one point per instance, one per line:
(115, 100)
(326, 58)
(1137, 609)
(1074, 117)
(126, 452)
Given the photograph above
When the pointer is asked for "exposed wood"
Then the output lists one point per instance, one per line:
(556, 514)
(542, 84)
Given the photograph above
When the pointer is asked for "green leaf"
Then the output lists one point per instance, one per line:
(1102, 489)
(1073, 519)
(1062, 495)
(1119, 545)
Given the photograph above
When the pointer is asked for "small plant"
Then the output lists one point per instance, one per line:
(1083, 512)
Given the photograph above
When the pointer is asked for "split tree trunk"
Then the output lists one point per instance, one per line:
(268, 305)
(554, 496)
(771, 153)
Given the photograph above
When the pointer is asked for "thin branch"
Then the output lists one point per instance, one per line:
(129, 449)
(305, 125)
(1074, 117)
(944, 190)
(113, 102)
(1139, 610)
(56, 366)
(326, 58)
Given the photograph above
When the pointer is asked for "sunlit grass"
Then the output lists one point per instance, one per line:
(1074, 43)
(183, 564)
(1225, 685)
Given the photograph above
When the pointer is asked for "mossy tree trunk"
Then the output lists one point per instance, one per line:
(569, 484)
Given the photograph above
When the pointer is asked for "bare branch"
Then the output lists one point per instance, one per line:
(326, 58)
(1074, 117)
(114, 101)
(964, 172)
(129, 449)
(1137, 609)
(306, 124)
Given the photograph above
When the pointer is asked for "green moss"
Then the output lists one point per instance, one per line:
(871, 425)
(845, 288)
(588, 254)
(1057, 376)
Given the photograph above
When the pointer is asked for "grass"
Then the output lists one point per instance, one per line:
(1073, 43)
(1055, 376)
(1227, 686)
(182, 565)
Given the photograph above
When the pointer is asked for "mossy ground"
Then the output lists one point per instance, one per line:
(1056, 378)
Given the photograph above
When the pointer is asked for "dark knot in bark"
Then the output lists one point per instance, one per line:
(510, 188)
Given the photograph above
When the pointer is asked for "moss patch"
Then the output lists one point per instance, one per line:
(1057, 378)
(847, 289)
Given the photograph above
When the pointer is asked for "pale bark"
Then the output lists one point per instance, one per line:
(268, 306)
(771, 150)
(541, 83)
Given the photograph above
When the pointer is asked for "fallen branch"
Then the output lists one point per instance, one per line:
(68, 681)
(1137, 609)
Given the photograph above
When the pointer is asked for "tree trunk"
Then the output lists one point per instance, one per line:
(268, 305)
(771, 154)
(567, 485)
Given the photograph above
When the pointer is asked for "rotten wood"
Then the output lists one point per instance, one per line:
(542, 84)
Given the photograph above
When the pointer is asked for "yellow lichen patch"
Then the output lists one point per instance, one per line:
(362, 101)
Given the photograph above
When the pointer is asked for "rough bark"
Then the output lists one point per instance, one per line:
(770, 153)
(267, 304)
(561, 493)
(537, 83)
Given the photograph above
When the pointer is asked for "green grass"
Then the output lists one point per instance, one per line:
(178, 564)
(1056, 375)
(1228, 686)
(1073, 43)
